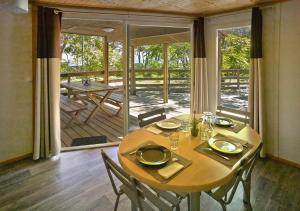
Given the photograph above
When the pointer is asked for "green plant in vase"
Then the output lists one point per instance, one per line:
(194, 126)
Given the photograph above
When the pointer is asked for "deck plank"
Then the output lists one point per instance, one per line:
(105, 123)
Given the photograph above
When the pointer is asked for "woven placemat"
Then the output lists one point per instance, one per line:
(153, 171)
(233, 158)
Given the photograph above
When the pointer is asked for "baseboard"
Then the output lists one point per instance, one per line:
(16, 159)
(284, 161)
(110, 144)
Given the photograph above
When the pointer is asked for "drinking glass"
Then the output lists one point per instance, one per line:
(174, 140)
(186, 129)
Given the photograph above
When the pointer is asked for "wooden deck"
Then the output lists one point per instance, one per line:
(112, 126)
(100, 124)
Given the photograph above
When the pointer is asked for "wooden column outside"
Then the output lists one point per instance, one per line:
(132, 72)
(166, 73)
(106, 61)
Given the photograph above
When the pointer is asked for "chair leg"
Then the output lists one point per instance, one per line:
(117, 202)
(223, 206)
(133, 206)
(247, 191)
(188, 202)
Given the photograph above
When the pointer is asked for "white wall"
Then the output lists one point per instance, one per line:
(15, 85)
(282, 74)
(281, 53)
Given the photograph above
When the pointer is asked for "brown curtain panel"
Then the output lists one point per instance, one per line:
(256, 80)
(47, 118)
(200, 84)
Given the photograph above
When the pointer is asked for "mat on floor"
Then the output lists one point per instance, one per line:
(89, 140)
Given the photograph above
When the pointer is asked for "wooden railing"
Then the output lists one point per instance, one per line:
(234, 80)
(145, 80)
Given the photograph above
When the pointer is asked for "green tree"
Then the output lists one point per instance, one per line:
(179, 55)
(235, 51)
(85, 53)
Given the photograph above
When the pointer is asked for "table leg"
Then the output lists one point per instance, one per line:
(103, 101)
(97, 106)
(195, 201)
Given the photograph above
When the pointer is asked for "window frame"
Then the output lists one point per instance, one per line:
(244, 113)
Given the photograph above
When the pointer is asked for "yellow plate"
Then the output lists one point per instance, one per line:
(225, 146)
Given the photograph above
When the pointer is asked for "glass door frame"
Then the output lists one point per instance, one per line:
(187, 23)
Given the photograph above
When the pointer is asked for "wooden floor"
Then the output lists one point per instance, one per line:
(78, 181)
(104, 123)
(101, 124)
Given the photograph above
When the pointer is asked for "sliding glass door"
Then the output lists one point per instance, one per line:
(158, 73)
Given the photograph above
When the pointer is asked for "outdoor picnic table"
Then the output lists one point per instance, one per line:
(76, 88)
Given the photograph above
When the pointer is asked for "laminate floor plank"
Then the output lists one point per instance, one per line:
(78, 181)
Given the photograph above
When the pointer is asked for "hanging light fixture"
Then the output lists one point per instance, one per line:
(108, 29)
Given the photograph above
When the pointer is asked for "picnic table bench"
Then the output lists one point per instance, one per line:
(71, 108)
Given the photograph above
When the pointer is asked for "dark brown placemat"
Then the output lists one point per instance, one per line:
(236, 128)
(233, 158)
(153, 171)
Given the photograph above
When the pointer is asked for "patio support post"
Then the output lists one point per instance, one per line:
(166, 73)
(132, 73)
(105, 58)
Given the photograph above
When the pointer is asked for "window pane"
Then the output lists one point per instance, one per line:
(81, 53)
(234, 65)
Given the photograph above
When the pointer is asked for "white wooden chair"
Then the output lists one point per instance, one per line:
(142, 197)
(238, 115)
(225, 193)
(151, 117)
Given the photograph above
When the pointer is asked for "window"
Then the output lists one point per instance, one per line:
(233, 67)
(85, 53)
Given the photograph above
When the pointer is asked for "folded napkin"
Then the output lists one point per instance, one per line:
(154, 130)
(170, 170)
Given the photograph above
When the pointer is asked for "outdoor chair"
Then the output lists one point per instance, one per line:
(151, 117)
(225, 193)
(142, 197)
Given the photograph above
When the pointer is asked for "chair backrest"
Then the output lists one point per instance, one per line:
(151, 117)
(142, 196)
(250, 162)
(113, 169)
(149, 200)
(245, 169)
(238, 115)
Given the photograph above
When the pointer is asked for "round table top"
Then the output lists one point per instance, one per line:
(203, 174)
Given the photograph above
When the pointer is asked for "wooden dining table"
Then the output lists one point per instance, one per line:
(76, 88)
(202, 175)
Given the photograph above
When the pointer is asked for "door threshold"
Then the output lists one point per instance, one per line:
(93, 146)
